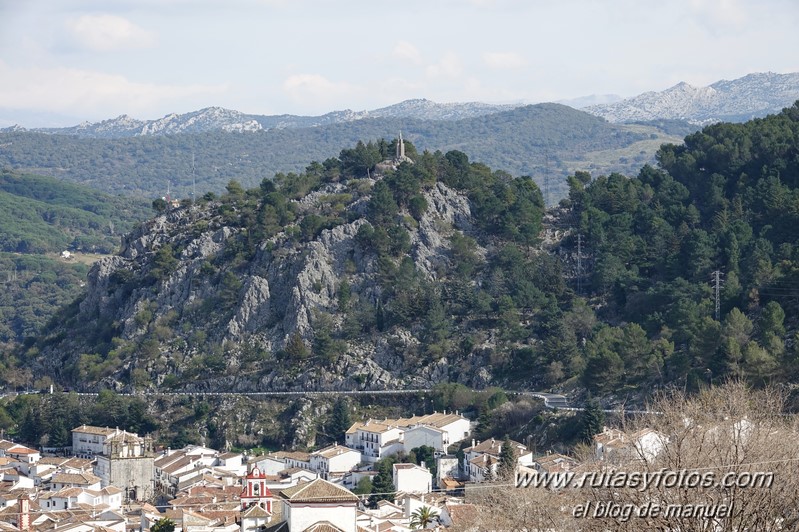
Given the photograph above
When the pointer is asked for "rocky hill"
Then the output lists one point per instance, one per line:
(320, 281)
(375, 271)
(754, 95)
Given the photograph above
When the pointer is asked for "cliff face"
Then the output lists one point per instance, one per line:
(182, 305)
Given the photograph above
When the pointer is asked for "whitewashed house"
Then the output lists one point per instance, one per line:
(376, 439)
(411, 478)
(318, 505)
(481, 460)
(334, 462)
(614, 445)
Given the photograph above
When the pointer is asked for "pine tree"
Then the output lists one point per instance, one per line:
(383, 484)
(340, 419)
(508, 457)
(592, 421)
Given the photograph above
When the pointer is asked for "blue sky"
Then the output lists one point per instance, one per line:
(65, 61)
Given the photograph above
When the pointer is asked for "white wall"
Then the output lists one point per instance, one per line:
(418, 436)
(413, 480)
(344, 462)
(301, 515)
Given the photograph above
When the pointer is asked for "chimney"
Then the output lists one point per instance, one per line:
(472, 442)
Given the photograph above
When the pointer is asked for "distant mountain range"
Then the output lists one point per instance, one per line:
(219, 119)
(751, 96)
(754, 95)
(544, 140)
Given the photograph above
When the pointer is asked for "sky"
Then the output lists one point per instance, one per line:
(67, 61)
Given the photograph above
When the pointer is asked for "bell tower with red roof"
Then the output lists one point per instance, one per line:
(255, 491)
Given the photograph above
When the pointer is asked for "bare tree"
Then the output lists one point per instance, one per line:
(721, 460)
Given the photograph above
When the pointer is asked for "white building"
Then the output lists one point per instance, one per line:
(411, 478)
(268, 464)
(88, 441)
(615, 445)
(19, 453)
(376, 439)
(125, 460)
(318, 505)
(425, 435)
(334, 462)
(555, 467)
(481, 460)
(87, 481)
(108, 498)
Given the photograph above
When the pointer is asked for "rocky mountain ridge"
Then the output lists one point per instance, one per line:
(220, 119)
(181, 306)
(754, 95)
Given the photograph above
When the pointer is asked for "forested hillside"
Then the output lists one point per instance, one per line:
(364, 273)
(32, 289)
(326, 279)
(726, 201)
(39, 218)
(539, 140)
(41, 214)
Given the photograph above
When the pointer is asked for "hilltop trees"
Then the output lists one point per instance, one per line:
(721, 202)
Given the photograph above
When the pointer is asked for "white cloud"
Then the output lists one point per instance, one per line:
(91, 93)
(407, 52)
(504, 60)
(448, 67)
(318, 92)
(105, 33)
(719, 12)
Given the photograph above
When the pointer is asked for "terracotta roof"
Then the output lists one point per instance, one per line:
(451, 483)
(482, 460)
(68, 492)
(462, 514)
(77, 463)
(89, 429)
(291, 470)
(125, 437)
(493, 446)
(74, 478)
(411, 466)
(254, 511)
(294, 455)
(436, 420)
(177, 465)
(318, 490)
(323, 526)
(21, 449)
(53, 460)
(227, 456)
(333, 451)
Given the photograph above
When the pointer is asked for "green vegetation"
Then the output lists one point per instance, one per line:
(508, 460)
(32, 288)
(383, 483)
(639, 313)
(724, 201)
(535, 140)
(41, 214)
(46, 420)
